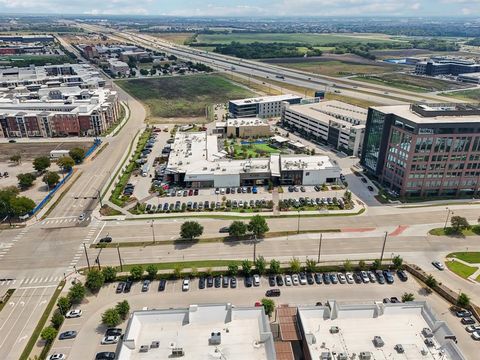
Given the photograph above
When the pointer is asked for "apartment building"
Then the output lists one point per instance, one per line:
(332, 122)
(118, 67)
(263, 107)
(424, 149)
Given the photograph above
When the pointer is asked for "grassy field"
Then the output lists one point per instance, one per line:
(460, 269)
(174, 37)
(183, 96)
(261, 88)
(411, 82)
(253, 150)
(350, 100)
(31, 150)
(449, 231)
(472, 257)
(307, 38)
(337, 68)
(467, 95)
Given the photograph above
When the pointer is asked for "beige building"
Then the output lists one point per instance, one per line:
(244, 128)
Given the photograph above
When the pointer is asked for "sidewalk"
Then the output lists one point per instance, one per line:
(472, 277)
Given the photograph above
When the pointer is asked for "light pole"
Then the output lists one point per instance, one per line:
(383, 247)
(119, 257)
(153, 231)
(446, 220)
(298, 222)
(86, 256)
(319, 248)
(255, 248)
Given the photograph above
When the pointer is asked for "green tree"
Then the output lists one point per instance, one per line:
(66, 163)
(376, 264)
(16, 158)
(260, 265)
(95, 280)
(51, 179)
(76, 293)
(347, 196)
(41, 163)
(136, 272)
(463, 300)
(25, 180)
(63, 304)
(177, 271)
(111, 317)
(109, 273)
(431, 282)
(57, 319)
(268, 305)
(21, 205)
(232, 269)
(397, 262)
(49, 334)
(237, 229)
(258, 225)
(123, 308)
(144, 72)
(191, 230)
(274, 266)
(151, 271)
(361, 265)
(194, 271)
(347, 265)
(246, 267)
(295, 265)
(459, 223)
(311, 265)
(407, 297)
(153, 71)
(77, 154)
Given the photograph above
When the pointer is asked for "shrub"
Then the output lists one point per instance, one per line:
(95, 280)
(136, 272)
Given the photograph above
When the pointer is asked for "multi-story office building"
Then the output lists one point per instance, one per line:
(424, 150)
(264, 107)
(446, 66)
(332, 122)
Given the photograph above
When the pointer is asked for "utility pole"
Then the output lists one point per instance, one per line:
(319, 248)
(446, 220)
(119, 257)
(99, 198)
(383, 247)
(298, 222)
(97, 260)
(86, 256)
(153, 231)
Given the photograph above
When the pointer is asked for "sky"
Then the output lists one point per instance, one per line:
(246, 7)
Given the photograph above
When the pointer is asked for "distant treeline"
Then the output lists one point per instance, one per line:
(258, 50)
(474, 42)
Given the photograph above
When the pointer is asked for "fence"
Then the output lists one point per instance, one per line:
(96, 143)
(50, 194)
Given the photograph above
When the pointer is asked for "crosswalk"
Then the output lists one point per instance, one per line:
(5, 247)
(30, 281)
(64, 220)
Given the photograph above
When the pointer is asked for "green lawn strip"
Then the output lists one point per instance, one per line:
(448, 231)
(478, 279)
(467, 95)
(185, 264)
(460, 269)
(6, 297)
(208, 240)
(41, 323)
(64, 192)
(472, 257)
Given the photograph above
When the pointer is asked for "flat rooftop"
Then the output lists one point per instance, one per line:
(253, 121)
(435, 113)
(265, 99)
(358, 325)
(244, 333)
(302, 162)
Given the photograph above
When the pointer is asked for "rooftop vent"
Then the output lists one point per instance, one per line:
(377, 341)
(342, 356)
(365, 355)
(215, 338)
(144, 348)
(155, 345)
(177, 352)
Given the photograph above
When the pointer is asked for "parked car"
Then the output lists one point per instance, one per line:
(476, 335)
(302, 278)
(233, 282)
(327, 279)
(463, 313)
(186, 284)
(248, 281)
(73, 314)
(209, 281)
(333, 278)
(472, 328)
(162, 284)
(394, 300)
(279, 280)
(341, 278)
(225, 281)
(468, 321)
(256, 280)
(272, 292)
(402, 275)
(145, 285)
(71, 334)
(57, 356)
(107, 340)
(271, 280)
(380, 277)
(365, 277)
(113, 332)
(349, 277)
(105, 355)
(201, 283)
(288, 280)
(357, 277)
(310, 280)
(218, 281)
(128, 286)
(318, 278)
(371, 276)
(295, 280)
(438, 265)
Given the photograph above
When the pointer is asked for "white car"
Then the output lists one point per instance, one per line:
(256, 280)
(73, 314)
(341, 278)
(472, 328)
(185, 285)
(349, 277)
(57, 357)
(372, 277)
(288, 280)
(107, 340)
(476, 335)
(81, 217)
(295, 280)
(438, 265)
(364, 276)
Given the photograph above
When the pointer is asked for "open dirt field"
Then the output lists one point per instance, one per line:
(31, 150)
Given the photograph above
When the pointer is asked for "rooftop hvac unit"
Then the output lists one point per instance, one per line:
(215, 338)
(365, 355)
(342, 356)
(334, 329)
(377, 341)
(144, 348)
(326, 356)
(427, 332)
(177, 352)
(155, 345)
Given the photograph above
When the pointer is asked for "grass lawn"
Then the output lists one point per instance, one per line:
(174, 37)
(304, 38)
(467, 95)
(350, 100)
(473, 230)
(253, 150)
(183, 96)
(186, 264)
(261, 88)
(337, 68)
(411, 82)
(478, 278)
(472, 257)
(460, 269)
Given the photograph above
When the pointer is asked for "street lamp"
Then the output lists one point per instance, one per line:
(383, 247)
(446, 220)
(298, 222)
(153, 231)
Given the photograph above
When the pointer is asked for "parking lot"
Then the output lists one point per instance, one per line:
(90, 331)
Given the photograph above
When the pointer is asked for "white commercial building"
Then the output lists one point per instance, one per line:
(196, 161)
(332, 122)
(375, 331)
(118, 67)
(217, 331)
(264, 107)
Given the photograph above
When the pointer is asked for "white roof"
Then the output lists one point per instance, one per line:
(244, 333)
(252, 121)
(265, 99)
(303, 162)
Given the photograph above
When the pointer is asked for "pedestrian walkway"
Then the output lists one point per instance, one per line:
(5, 247)
(65, 220)
(34, 281)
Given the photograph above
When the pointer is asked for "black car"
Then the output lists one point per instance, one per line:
(218, 281)
(271, 280)
(380, 277)
(279, 280)
(357, 278)
(402, 275)
(395, 300)
(210, 281)
(225, 281)
(233, 282)
(326, 279)
(105, 355)
(248, 281)
(310, 280)
(68, 335)
(388, 276)
(12, 141)
(468, 321)
(370, 188)
(272, 292)
(195, 192)
(120, 287)
(201, 283)
(224, 229)
(162, 284)
(318, 278)
(113, 332)
(128, 286)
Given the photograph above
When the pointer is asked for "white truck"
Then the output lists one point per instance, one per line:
(57, 154)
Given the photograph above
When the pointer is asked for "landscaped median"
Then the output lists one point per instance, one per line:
(458, 262)
(461, 269)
